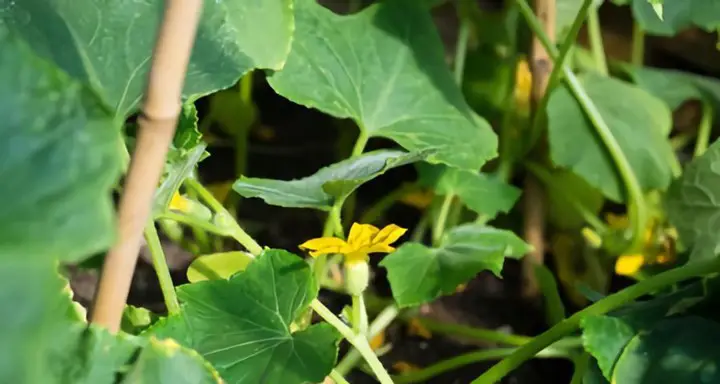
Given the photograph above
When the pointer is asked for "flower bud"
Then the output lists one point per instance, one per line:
(357, 277)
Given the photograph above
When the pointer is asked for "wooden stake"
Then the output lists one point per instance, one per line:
(162, 105)
(534, 202)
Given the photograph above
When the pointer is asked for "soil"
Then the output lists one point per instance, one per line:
(304, 141)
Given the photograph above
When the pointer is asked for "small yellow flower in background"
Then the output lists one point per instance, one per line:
(628, 265)
(179, 203)
(405, 367)
(523, 84)
(416, 328)
(377, 341)
(419, 199)
(363, 240)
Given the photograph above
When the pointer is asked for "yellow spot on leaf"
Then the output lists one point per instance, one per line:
(628, 265)
(363, 240)
(461, 288)
(405, 367)
(416, 328)
(377, 341)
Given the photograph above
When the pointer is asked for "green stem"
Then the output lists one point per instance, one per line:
(480, 334)
(193, 222)
(596, 41)
(419, 232)
(637, 57)
(461, 50)
(467, 358)
(337, 377)
(638, 210)
(600, 307)
(358, 341)
(161, 268)
(241, 136)
(440, 221)
(360, 320)
(704, 129)
(582, 362)
(360, 143)
(544, 175)
(235, 231)
(382, 321)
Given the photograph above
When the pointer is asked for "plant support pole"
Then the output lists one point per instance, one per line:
(156, 128)
(541, 66)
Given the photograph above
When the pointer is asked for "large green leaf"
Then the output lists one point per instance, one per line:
(483, 194)
(605, 337)
(243, 325)
(384, 68)
(328, 185)
(624, 343)
(693, 201)
(675, 87)
(676, 15)
(419, 274)
(679, 350)
(166, 362)
(109, 43)
(562, 185)
(59, 157)
(639, 122)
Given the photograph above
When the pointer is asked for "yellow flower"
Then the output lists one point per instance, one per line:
(179, 203)
(628, 265)
(523, 83)
(363, 240)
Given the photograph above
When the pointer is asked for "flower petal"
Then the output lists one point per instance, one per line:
(379, 248)
(628, 265)
(356, 257)
(324, 245)
(388, 235)
(361, 235)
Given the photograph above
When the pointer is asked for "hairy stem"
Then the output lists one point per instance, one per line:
(161, 268)
(381, 321)
(156, 129)
(358, 341)
(602, 306)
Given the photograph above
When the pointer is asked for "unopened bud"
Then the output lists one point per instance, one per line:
(357, 277)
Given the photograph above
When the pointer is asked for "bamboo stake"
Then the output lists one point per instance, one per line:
(157, 124)
(534, 202)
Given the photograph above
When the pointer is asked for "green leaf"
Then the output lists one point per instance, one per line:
(166, 362)
(187, 135)
(243, 325)
(676, 15)
(566, 184)
(680, 350)
(136, 319)
(605, 337)
(692, 204)
(384, 68)
(639, 122)
(328, 185)
(109, 45)
(675, 87)
(178, 166)
(217, 266)
(419, 274)
(59, 157)
(486, 195)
